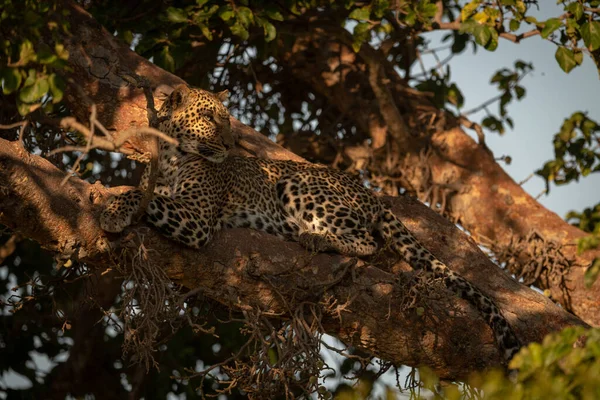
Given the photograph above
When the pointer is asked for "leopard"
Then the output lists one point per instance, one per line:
(201, 188)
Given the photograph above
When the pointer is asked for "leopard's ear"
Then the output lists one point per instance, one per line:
(222, 96)
(178, 96)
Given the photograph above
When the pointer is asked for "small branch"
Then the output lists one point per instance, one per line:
(517, 38)
(114, 145)
(12, 126)
(467, 123)
(154, 148)
(455, 26)
(440, 11)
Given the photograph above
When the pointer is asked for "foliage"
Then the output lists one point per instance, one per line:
(566, 365)
(30, 67)
(575, 32)
(575, 149)
(577, 154)
(588, 221)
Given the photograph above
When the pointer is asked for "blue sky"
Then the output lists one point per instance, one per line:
(552, 96)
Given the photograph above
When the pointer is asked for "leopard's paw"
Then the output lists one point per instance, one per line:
(116, 216)
(313, 242)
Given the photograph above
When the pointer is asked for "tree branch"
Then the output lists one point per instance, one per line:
(241, 268)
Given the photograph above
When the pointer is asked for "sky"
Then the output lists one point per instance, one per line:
(552, 96)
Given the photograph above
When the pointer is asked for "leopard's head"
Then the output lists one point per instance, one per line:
(199, 121)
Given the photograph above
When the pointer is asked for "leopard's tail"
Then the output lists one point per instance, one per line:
(403, 242)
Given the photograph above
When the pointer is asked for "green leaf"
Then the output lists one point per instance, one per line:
(455, 96)
(492, 12)
(274, 14)
(26, 108)
(176, 15)
(468, 27)
(578, 55)
(514, 25)
(576, 9)
(225, 13)
(270, 31)
(205, 31)
(565, 58)
(31, 77)
(426, 9)
(482, 34)
(239, 30)
(11, 79)
(493, 42)
(360, 14)
(128, 36)
(481, 17)
(519, 91)
(531, 20)
(201, 3)
(31, 94)
(550, 26)
(469, 9)
(591, 274)
(57, 87)
(360, 35)
(26, 52)
(45, 55)
(590, 32)
(61, 52)
(166, 60)
(245, 15)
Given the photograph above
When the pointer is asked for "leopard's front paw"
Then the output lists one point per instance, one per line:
(114, 222)
(313, 242)
(119, 213)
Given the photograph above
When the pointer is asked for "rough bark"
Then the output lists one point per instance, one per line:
(242, 269)
(483, 198)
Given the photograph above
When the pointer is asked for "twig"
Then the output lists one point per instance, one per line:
(12, 126)
(107, 144)
(467, 123)
(525, 180)
(153, 144)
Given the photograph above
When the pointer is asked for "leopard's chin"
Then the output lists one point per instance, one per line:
(214, 157)
(217, 159)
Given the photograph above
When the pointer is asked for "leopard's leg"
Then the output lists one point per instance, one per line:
(120, 210)
(175, 220)
(359, 243)
(325, 222)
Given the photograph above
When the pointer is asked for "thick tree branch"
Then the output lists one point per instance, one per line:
(362, 303)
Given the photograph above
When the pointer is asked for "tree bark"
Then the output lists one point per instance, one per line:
(241, 269)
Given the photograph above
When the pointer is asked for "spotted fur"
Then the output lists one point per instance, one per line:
(201, 190)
